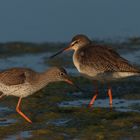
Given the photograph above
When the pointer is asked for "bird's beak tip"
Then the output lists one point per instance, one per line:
(69, 81)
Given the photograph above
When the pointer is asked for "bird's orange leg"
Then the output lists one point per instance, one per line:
(110, 96)
(21, 113)
(94, 97)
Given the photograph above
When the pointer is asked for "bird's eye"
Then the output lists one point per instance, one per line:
(61, 73)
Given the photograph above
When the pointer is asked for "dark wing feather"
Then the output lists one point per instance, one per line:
(14, 76)
(104, 59)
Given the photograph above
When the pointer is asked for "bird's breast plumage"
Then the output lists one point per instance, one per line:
(81, 63)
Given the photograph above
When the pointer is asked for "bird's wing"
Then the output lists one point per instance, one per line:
(13, 76)
(104, 59)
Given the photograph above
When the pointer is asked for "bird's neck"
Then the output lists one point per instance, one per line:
(46, 77)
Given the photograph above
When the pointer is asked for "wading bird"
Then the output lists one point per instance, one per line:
(22, 82)
(98, 62)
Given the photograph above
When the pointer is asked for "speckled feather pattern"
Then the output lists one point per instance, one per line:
(102, 63)
(22, 82)
(103, 59)
(18, 82)
(16, 76)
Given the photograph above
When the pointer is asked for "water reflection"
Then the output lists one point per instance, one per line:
(31, 61)
(19, 136)
(34, 61)
(118, 104)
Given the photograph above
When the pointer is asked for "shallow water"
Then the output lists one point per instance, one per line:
(58, 113)
(20, 135)
(34, 61)
(59, 122)
(133, 57)
(118, 104)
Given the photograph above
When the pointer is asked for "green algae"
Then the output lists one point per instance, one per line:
(85, 123)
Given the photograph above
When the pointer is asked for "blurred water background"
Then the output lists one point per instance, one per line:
(31, 31)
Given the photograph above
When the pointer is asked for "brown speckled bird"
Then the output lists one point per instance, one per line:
(22, 82)
(99, 63)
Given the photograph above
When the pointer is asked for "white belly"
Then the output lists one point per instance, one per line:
(110, 76)
(21, 90)
(123, 74)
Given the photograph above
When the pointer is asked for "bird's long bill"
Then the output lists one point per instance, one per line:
(59, 52)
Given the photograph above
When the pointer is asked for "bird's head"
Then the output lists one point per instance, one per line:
(77, 42)
(59, 74)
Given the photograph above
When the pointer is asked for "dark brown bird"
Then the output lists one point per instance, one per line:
(22, 82)
(98, 62)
